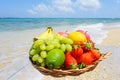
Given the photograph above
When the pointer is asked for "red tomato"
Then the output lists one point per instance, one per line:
(69, 60)
(76, 53)
(86, 58)
(95, 53)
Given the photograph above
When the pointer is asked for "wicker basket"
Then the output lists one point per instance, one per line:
(71, 72)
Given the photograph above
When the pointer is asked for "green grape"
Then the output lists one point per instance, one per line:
(69, 41)
(53, 43)
(38, 50)
(56, 40)
(38, 43)
(57, 45)
(35, 46)
(35, 57)
(63, 47)
(57, 36)
(66, 40)
(43, 54)
(42, 47)
(31, 48)
(49, 47)
(68, 47)
(48, 41)
(40, 59)
(63, 40)
(43, 64)
(32, 52)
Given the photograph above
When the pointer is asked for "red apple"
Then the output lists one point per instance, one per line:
(87, 36)
(80, 31)
(65, 34)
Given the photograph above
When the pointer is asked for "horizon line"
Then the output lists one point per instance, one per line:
(67, 17)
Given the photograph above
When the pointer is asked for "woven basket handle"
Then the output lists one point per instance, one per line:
(106, 55)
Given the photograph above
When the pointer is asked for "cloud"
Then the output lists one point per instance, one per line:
(62, 2)
(88, 5)
(62, 7)
(41, 9)
(32, 12)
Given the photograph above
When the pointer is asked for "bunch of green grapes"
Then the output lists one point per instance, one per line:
(38, 52)
(40, 48)
(66, 44)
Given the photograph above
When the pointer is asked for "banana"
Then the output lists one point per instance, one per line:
(48, 34)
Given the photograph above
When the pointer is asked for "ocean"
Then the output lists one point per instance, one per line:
(96, 27)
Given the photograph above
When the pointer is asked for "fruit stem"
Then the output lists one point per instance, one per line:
(75, 46)
(85, 32)
(50, 28)
(82, 65)
(35, 39)
(73, 66)
(66, 31)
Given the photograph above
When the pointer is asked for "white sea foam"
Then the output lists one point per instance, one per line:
(96, 32)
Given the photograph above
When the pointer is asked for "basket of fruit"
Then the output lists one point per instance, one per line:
(63, 54)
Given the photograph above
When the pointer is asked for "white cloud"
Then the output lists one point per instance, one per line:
(62, 2)
(64, 9)
(32, 12)
(88, 5)
(63, 5)
(42, 10)
(56, 7)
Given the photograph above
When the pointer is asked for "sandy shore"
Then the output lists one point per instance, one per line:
(15, 64)
(101, 72)
(113, 38)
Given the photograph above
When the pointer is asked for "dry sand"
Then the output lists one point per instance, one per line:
(15, 64)
(108, 69)
(113, 38)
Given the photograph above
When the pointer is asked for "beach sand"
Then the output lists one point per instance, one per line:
(109, 68)
(113, 38)
(15, 64)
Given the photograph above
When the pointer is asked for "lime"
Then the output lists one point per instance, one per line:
(55, 58)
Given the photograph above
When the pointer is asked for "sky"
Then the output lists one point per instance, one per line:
(60, 8)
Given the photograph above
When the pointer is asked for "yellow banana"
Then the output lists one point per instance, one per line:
(47, 34)
(50, 34)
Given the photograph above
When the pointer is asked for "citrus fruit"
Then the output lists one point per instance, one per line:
(77, 37)
(55, 58)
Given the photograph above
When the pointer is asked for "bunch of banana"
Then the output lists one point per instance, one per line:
(45, 35)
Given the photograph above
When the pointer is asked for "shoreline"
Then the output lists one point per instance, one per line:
(112, 38)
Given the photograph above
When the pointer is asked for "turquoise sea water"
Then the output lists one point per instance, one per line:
(96, 27)
(15, 24)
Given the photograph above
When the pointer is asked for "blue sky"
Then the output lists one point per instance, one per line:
(60, 8)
